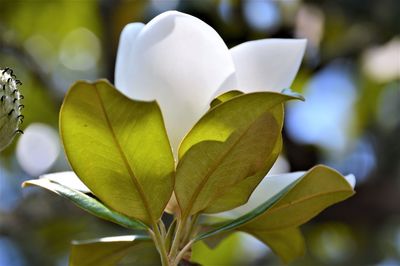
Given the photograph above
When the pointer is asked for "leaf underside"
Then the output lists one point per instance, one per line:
(119, 148)
(87, 203)
(294, 205)
(231, 148)
(111, 251)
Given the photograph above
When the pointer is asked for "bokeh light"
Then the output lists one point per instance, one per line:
(38, 149)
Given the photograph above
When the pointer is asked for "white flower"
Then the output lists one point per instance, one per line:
(183, 63)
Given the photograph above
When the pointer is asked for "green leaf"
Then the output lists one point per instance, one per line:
(287, 243)
(297, 95)
(299, 201)
(87, 203)
(238, 194)
(228, 252)
(314, 191)
(110, 251)
(224, 97)
(240, 221)
(236, 140)
(220, 122)
(119, 148)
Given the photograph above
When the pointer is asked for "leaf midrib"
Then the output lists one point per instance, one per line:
(293, 203)
(215, 166)
(303, 199)
(123, 157)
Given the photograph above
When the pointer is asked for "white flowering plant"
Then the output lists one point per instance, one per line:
(204, 159)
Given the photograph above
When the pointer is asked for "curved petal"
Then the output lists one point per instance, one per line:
(269, 64)
(269, 187)
(180, 61)
(126, 42)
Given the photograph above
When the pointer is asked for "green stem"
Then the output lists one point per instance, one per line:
(181, 253)
(177, 239)
(192, 225)
(160, 245)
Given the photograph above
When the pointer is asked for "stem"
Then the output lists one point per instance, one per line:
(177, 238)
(192, 225)
(162, 228)
(182, 253)
(160, 245)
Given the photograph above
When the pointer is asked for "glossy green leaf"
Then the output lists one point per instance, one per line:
(220, 122)
(246, 218)
(233, 142)
(238, 194)
(224, 97)
(87, 203)
(119, 148)
(287, 243)
(296, 203)
(110, 251)
(314, 191)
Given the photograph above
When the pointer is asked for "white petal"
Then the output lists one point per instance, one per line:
(68, 179)
(122, 64)
(38, 149)
(269, 187)
(180, 61)
(351, 179)
(280, 166)
(267, 65)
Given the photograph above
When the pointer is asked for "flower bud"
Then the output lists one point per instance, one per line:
(10, 107)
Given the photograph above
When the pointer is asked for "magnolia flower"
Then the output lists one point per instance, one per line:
(183, 63)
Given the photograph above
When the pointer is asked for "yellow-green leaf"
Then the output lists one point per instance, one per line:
(314, 191)
(224, 97)
(119, 148)
(111, 251)
(86, 203)
(233, 142)
(238, 194)
(287, 243)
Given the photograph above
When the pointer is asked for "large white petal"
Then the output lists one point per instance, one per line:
(267, 65)
(180, 61)
(122, 63)
(269, 187)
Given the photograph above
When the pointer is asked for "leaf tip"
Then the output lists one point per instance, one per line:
(25, 184)
(296, 95)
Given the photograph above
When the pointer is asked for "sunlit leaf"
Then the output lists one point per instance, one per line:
(238, 194)
(119, 148)
(287, 243)
(87, 203)
(224, 97)
(110, 251)
(314, 191)
(233, 142)
(228, 252)
(239, 222)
